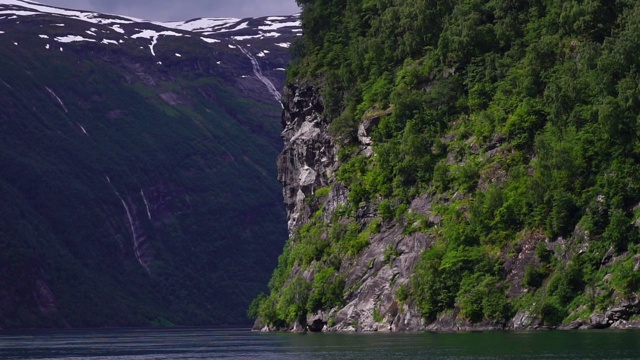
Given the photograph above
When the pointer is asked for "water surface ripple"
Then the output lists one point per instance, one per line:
(160, 344)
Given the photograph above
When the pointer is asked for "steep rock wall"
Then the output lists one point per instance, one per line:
(375, 277)
(309, 162)
(508, 157)
(309, 158)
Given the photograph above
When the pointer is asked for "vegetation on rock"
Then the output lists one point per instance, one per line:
(520, 117)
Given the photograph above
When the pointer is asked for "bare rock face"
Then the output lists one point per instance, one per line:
(308, 161)
(617, 317)
(451, 321)
(375, 276)
(370, 120)
(516, 264)
(524, 320)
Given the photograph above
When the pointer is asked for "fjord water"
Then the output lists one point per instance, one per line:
(146, 344)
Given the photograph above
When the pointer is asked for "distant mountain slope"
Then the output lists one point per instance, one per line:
(137, 174)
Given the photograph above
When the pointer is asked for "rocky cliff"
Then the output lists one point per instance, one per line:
(375, 277)
(309, 162)
(448, 182)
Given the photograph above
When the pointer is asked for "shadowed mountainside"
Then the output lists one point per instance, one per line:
(137, 174)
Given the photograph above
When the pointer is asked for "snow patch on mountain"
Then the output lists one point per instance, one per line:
(72, 38)
(260, 35)
(109, 30)
(150, 34)
(209, 40)
(117, 28)
(199, 25)
(109, 42)
(244, 25)
(275, 26)
(36, 8)
(18, 13)
(154, 35)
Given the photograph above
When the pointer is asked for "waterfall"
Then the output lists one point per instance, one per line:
(138, 238)
(57, 98)
(258, 73)
(145, 203)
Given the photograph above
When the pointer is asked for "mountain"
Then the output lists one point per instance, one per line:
(137, 176)
(460, 165)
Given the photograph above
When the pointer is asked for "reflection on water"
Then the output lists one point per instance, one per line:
(157, 344)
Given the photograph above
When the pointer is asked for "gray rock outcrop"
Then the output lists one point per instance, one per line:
(308, 161)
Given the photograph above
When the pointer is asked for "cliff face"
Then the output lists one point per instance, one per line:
(376, 277)
(309, 159)
(309, 162)
(441, 179)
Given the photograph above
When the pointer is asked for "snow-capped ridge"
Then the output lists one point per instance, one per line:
(199, 24)
(213, 28)
(251, 43)
(26, 8)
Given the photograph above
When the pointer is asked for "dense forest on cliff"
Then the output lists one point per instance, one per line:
(519, 117)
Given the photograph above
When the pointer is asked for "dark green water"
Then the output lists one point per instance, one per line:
(242, 344)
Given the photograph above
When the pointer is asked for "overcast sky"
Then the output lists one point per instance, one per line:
(165, 10)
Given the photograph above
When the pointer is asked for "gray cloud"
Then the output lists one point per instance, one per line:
(165, 10)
